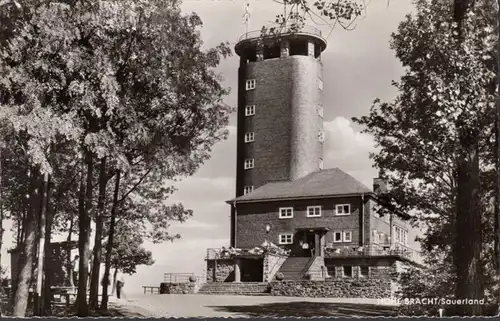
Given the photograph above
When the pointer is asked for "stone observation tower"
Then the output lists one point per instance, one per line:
(280, 114)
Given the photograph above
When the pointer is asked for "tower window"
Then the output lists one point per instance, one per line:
(320, 84)
(286, 212)
(320, 163)
(249, 137)
(248, 189)
(250, 84)
(321, 136)
(320, 111)
(250, 110)
(249, 163)
(286, 238)
(313, 211)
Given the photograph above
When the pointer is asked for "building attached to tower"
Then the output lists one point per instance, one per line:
(308, 222)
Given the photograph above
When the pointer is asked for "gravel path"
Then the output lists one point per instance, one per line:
(197, 305)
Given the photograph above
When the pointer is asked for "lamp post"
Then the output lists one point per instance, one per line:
(268, 229)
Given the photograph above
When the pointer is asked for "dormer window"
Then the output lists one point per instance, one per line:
(248, 189)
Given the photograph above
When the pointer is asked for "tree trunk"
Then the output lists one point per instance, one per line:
(1, 225)
(46, 297)
(41, 244)
(94, 283)
(114, 281)
(497, 203)
(469, 237)
(26, 259)
(68, 249)
(109, 246)
(84, 239)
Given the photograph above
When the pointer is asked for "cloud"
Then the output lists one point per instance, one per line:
(349, 149)
(194, 224)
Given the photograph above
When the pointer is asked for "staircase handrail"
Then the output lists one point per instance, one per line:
(307, 266)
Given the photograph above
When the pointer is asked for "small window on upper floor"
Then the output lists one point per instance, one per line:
(313, 211)
(343, 209)
(320, 84)
(250, 110)
(286, 212)
(250, 84)
(320, 111)
(248, 189)
(321, 136)
(249, 163)
(249, 137)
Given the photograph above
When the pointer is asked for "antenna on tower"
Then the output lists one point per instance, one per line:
(246, 16)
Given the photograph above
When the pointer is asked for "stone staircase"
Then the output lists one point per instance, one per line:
(231, 288)
(294, 267)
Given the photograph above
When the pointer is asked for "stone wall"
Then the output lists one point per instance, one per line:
(272, 264)
(220, 270)
(378, 284)
(178, 288)
(316, 269)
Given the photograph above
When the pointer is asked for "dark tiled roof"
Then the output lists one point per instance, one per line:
(328, 182)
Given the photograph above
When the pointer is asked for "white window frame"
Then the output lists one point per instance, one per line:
(401, 235)
(248, 189)
(283, 238)
(335, 239)
(342, 206)
(249, 163)
(250, 84)
(320, 84)
(250, 110)
(313, 208)
(320, 165)
(344, 238)
(249, 137)
(285, 210)
(321, 136)
(320, 111)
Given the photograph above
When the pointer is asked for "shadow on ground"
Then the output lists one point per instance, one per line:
(308, 309)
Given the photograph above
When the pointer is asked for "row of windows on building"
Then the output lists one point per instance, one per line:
(250, 163)
(338, 237)
(400, 236)
(251, 84)
(250, 137)
(347, 271)
(315, 211)
(250, 110)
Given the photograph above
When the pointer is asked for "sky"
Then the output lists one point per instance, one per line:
(358, 66)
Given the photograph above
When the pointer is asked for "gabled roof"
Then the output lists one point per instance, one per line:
(323, 183)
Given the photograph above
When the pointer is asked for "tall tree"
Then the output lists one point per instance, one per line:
(428, 138)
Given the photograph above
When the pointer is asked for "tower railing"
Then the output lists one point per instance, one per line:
(308, 30)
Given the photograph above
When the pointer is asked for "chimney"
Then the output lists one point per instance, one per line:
(379, 186)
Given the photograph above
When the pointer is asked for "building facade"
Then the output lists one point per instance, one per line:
(326, 221)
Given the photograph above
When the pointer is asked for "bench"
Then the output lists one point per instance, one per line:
(151, 289)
